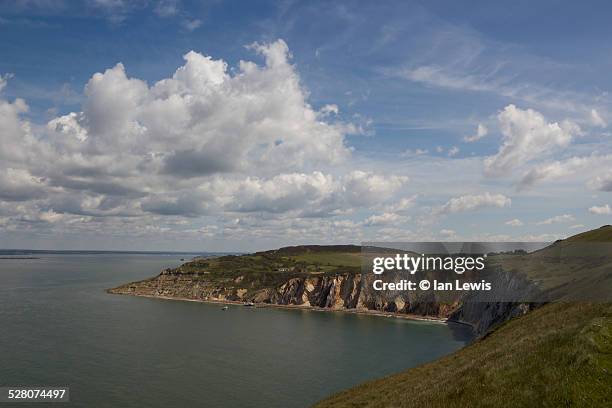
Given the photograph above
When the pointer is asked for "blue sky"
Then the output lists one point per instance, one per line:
(346, 53)
(406, 82)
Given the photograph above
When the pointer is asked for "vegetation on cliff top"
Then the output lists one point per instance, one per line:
(272, 268)
(298, 260)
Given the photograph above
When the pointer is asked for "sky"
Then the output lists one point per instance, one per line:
(240, 126)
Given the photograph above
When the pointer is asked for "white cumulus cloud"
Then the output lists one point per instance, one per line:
(481, 131)
(601, 210)
(584, 166)
(366, 188)
(192, 144)
(526, 136)
(514, 222)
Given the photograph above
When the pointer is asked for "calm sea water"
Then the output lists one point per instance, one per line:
(59, 327)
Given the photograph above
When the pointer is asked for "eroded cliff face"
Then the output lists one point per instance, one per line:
(344, 291)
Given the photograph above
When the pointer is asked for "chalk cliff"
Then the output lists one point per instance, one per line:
(352, 291)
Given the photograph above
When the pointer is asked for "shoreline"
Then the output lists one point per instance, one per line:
(367, 312)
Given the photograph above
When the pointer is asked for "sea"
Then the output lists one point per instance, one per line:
(58, 327)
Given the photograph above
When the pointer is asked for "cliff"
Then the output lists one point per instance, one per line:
(311, 277)
(330, 277)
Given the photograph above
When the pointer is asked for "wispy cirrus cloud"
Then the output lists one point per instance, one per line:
(461, 60)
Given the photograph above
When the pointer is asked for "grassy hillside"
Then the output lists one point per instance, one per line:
(597, 235)
(559, 355)
(573, 269)
(556, 356)
(334, 259)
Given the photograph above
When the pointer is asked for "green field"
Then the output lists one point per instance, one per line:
(330, 258)
(269, 269)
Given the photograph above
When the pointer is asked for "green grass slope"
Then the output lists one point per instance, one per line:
(602, 234)
(557, 356)
(577, 268)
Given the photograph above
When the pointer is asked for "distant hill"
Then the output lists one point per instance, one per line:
(575, 268)
(602, 234)
(302, 249)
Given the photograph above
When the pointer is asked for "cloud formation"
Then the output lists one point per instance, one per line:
(474, 202)
(481, 131)
(557, 219)
(209, 141)
(214, 149)
(602, 182)
(526, 136)
(596, 119)
(601, 210)
(587, 166)
(384, 219)
(514, 222)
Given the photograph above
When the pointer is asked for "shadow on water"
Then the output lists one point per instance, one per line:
(461, 332)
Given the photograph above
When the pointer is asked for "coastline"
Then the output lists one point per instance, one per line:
(404, 316)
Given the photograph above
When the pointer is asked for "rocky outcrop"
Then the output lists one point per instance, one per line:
(486, 310)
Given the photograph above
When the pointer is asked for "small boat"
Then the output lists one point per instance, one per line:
(249, 304)
(182, 259)
(225, 308)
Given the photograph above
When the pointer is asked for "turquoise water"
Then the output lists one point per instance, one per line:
(59, 327)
